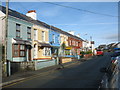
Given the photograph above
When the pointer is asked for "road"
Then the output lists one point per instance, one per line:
(80, 75)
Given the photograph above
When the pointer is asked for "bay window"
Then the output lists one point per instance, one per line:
(18, 50)
(47, 51)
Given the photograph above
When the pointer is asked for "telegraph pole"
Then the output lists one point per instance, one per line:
(91, 41)
(7, 64)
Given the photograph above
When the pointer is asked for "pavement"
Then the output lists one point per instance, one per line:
(19, 76)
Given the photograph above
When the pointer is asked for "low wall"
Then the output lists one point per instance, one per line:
(87, 55)
(27, 65)
(67, 59)
(31, 65)
(44, 63)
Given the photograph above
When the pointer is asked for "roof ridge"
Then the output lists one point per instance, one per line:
(29, 19)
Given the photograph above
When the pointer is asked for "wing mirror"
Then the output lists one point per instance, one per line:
(103, 70)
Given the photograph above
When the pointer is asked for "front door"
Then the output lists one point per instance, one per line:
(29, 54)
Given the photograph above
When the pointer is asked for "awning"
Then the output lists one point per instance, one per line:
(19, 41)
(43, 44)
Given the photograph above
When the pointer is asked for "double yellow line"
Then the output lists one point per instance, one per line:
(26, 79)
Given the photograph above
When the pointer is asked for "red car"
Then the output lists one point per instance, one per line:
(100, 52)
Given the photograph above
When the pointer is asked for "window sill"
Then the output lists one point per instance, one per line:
(29, 39)
(18, 38)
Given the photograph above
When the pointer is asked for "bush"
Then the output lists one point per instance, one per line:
(88, 52)
(82, 52)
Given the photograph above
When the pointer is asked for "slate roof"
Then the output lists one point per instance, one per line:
(29, 19)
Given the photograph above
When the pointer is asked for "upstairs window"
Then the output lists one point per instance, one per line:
(18, 30)
(29, 32)
(76, 43)
(43, 35)
(58, 39)
(35, 34)
(53, 38)
(70, 42)
(79, 44)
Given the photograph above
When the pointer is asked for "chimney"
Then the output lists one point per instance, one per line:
(78, 35)
(71, 32)
(32, 14)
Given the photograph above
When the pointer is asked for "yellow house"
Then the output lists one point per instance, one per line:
(64, 38)
(41, 46)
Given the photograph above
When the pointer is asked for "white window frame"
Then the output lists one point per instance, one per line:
(44, 51)
(53, 38)
(35, 34)
(43, 35)
(18, 30)
(28, 32)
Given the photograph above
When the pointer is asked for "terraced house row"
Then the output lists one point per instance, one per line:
(37, 43)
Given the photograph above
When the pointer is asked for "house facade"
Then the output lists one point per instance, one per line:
(19, 39)
(42, 48)
(63, 44)
(54, 40)
(76, 45)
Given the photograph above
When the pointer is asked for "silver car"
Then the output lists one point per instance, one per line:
(111, 78)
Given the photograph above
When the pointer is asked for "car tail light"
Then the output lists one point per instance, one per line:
(113, 61)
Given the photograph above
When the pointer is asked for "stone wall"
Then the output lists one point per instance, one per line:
(27, 65)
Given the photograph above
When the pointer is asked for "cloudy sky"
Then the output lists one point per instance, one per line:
(96, 19)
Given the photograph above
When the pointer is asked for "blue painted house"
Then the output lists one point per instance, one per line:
(54, 40)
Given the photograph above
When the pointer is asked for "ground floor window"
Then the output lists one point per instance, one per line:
(46, 51)
(54, 51)
(18, 50)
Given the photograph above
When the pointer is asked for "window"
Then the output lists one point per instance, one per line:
(73, 43)
(76, 43)
(79, 44)
(53, 38)
(58, 39)
(18, 30)
(22, 50)
(29, 32)
(70, 42)
(18, 50)
(43, 35)
(35, 34)
(47, 51)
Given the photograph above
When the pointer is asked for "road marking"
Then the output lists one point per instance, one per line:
(26, 79)
(2, 84)
(32, 77)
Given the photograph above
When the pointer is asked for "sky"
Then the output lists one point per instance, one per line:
(102, 28)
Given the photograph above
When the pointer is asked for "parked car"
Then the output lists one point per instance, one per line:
(99, 52)
(112, 73)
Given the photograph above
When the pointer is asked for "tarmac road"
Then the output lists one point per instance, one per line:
(79, 75)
